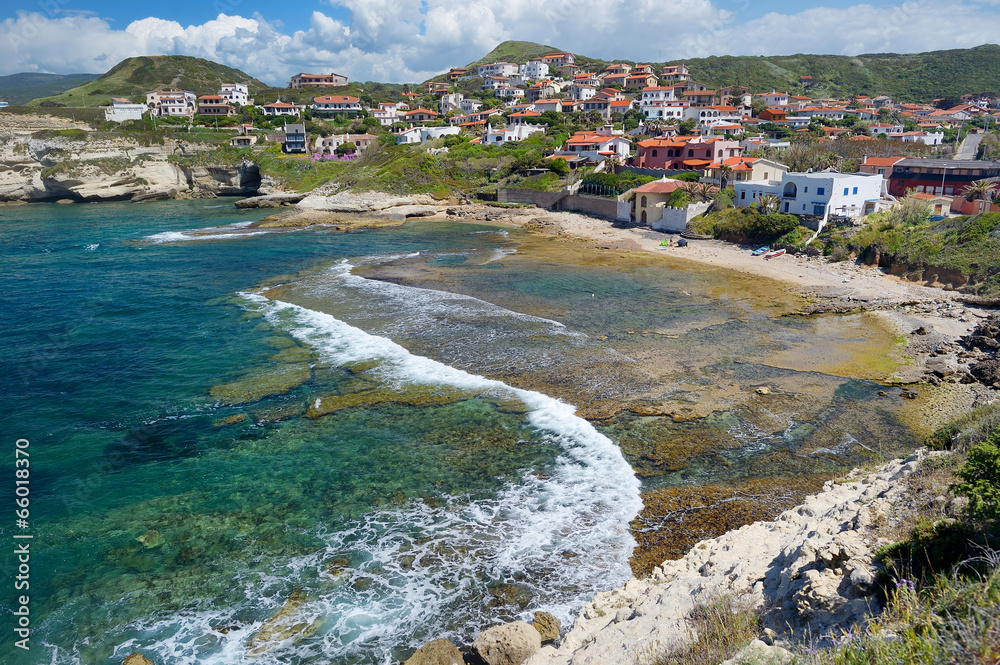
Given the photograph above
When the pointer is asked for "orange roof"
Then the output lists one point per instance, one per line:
(658, 187)
(525, 114)
(332, 99)
(862, 137)
(280, 105)
(420, 111)
(697, 162)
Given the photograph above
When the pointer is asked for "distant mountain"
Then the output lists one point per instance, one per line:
(906, 77)
(22, 88)
(133, 77)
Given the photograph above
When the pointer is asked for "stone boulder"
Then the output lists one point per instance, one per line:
(547, 626)
(987, 371)
(759, 653)
(509, 644)
(437, 652)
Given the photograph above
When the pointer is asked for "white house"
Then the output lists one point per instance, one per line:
(498, 69)
(280, 108)
(328, 104)
(817, 112)
(653, 96)
(582, 92)
(885, 129)
(597, 146)
(235, 93)
(774, 99)
(512, 133)
(122, 110)
(495, 81)
(713, 114)
(665, 110)
(819, 194)
(919, 137)
(424, 134)
(451, 102)
(171, 103)
(510, 93)
(470, 105)
(533, 70)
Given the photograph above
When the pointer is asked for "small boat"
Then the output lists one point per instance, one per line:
(759, 251)
(774, 253)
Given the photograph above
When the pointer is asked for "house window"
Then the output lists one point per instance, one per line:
(820, 191)
(765, 175)
(855, 190)
(847, 191)
(806, 190)
(690, 153)
(654, 153)
(743, 195)
(643, 202)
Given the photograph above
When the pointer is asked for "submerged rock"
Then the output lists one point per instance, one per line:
(253, 387)
(136, 659)
(437, 652)
(151, 539)
(509, 644)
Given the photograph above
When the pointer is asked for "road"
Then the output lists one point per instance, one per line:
(969, 147)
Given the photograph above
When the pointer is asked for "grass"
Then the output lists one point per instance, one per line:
(720, 627)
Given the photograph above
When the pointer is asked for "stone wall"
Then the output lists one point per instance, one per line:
(675, 220)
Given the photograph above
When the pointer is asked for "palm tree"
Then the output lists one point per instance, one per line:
(725, 173)
(768, 203)
(979, 190)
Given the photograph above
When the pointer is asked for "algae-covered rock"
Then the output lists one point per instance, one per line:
(151, 539)
(284, 625)
(413, 396)
(229, 420)
(292, 354)
(252, 387)
(136, 659)
(547, 625)
(437, 652)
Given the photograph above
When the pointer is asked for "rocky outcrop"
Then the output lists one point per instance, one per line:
(438, 652)
(412, 205)
(509, 644)
(810, 573)
(136, 659)
(82, 167)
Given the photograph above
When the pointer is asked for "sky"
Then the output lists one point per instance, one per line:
(412, 40)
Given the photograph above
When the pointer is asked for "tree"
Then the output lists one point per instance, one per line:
(725, 173)
(979, 190)
(768, 204)
(348, 148)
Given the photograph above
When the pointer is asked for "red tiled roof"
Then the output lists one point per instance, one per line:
(658, 187)
(882, 161)
(336, 99)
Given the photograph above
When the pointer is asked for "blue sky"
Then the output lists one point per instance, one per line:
(410, 40)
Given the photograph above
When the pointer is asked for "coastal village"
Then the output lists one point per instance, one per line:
(650, 121)
(864, 194)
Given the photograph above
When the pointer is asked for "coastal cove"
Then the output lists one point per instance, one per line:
(291, 444)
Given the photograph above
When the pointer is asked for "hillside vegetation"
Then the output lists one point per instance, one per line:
(134, 77)
(906, 77)
(22, 88)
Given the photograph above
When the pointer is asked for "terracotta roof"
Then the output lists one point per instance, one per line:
(696, 162)
(658, 187)
(336, 99)
(525, 114)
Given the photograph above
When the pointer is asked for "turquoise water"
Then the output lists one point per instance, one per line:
(347, 454)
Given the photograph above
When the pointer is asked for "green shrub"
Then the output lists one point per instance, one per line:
(981, 479)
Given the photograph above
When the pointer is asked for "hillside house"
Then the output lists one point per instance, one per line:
(597, 146)
(214, 105)
(172, 103)
(303, 80)
(533, 70)
(436, 87)
(743, 169)
(505, 69)
(451, 102)
(508, 134)
(543, 105)
(331, 104)
(235, 93)
(469, 105)
(773, 99)
(675, 73)
(640, 81)
(424, 134)
(653, 95)
(649, 200)
(684, 152)
(419, 115)
(279, 108)
(456, 73)
(880, 165)
(582, 92)
(559, 59)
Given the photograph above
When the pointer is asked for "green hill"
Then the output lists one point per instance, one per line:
(134, 77)
(906, 77)
(22, 88)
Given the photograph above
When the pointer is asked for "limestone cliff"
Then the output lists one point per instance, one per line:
(72, 163)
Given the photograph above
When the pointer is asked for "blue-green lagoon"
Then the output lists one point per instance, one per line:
(303, 446)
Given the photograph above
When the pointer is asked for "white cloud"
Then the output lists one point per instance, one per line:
(410, 40)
